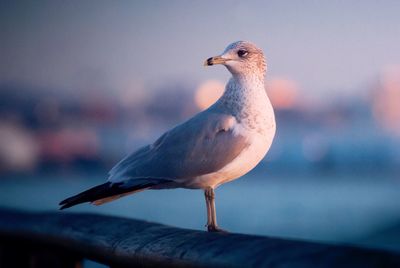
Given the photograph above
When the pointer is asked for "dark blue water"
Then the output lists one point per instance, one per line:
(333, 208)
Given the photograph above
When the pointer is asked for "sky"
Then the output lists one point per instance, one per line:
(326, 47)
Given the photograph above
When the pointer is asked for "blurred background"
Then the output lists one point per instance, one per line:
(83, 83)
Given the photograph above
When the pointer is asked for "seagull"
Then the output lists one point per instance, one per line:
(217, 145)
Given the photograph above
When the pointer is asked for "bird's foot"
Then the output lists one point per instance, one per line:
(215, 229)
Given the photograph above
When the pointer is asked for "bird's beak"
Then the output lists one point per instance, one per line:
(215, 60)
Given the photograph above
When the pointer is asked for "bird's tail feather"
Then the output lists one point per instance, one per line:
(109, 191)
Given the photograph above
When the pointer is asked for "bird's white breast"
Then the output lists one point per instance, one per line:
(255, 121)
(259, 144)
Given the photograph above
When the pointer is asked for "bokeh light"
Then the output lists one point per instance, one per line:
(386, 100)
(207, 93)
(283, 93)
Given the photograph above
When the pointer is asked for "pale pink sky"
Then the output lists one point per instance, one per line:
(333, 47)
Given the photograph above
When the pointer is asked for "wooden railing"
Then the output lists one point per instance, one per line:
(64, 239)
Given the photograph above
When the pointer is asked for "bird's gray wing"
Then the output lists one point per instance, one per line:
(204, 144)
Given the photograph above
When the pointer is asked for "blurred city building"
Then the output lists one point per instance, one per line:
(86, 129)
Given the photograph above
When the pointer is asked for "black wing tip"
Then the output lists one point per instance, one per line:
(65, 204)
(106, 190)
(63, 207)
(87, 196)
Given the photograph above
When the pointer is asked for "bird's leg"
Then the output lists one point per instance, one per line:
(211, 212)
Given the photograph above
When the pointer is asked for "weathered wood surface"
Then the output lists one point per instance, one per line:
(127, 242)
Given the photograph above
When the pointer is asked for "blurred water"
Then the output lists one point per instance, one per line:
(329, 207)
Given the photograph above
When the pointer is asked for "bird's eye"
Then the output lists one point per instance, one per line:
(242, 53)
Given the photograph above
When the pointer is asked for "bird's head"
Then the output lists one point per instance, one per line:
(241, 58)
